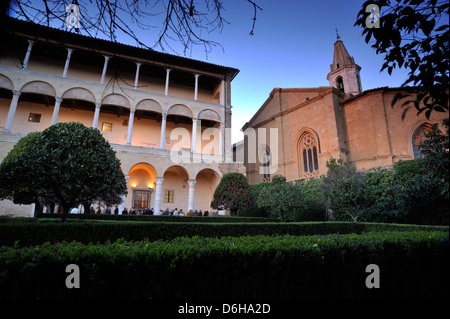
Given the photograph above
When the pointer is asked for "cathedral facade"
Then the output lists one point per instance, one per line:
(167, 117)
(297, 130)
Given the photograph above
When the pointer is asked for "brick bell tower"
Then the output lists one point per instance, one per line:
(344, 72)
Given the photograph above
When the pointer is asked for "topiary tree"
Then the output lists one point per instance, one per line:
(282, 198)
(352, 197)
(66, 164)
(337, 170)
(233, 192)
(315, 203)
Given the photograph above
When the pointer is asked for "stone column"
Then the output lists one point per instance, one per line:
(194, 135)
(162, 141)
(158, 194)
(27, 56)
(130, 126)
(96, 115)
(66, 66)
(166, 91)
(58, 101)
(12, 110)
(105, 67)
(222, 139)
(228, 151)
(222, 95)
(191, 194)
(136, 78)
(196, 86)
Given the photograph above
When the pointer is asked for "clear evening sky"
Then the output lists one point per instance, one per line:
(292, 46)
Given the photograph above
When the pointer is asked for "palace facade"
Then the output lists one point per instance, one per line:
(167, 117)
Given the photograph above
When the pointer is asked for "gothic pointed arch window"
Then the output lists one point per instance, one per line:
(265, 158)
(340, 84)
(418, 137)
(308, 150)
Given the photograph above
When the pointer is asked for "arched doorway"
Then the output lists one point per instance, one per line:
(141, 182)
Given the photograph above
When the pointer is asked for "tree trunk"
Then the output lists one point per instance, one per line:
(66, 209)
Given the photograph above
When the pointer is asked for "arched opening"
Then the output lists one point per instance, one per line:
(209, 136)
(141, 183)
(179, 120)
(419, 135)
(308, 151)
(340, 84)
(147, 124)
(206, 182)
(78, 103)
(35, 107)
(175, 189)
(265, 160)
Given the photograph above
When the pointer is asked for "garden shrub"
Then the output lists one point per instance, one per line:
(161, 218)
(413, 265)
(100, 232)
(255, 212)
(315, 209)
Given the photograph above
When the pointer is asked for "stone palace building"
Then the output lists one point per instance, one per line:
(167, 117)
(297, 130)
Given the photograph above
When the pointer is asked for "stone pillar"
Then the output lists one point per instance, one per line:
(66, 66)
(58, 101)
(196, 87)
(136, 78)
(191, 194)
(27, 56)
(166, 91)
(96, 115)
(130, 126)
(158, 194)
(228, 151)
(105, 67)
(194, 135)
(222, 95)
(222, 139)
(12, 110)
(162, 141)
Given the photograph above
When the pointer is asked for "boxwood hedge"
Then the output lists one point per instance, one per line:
(413, 264)
(28, 233)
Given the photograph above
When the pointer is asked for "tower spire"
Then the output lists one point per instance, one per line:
(344, 72)
(337, 34)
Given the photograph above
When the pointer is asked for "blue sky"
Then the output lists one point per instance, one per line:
(292, 47)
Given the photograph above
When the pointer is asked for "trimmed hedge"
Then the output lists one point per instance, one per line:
(412, 265)
(101, 231)
(164, 218)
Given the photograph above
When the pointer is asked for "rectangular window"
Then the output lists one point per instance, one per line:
(107, 127)
(35, 118)
(168, 196)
